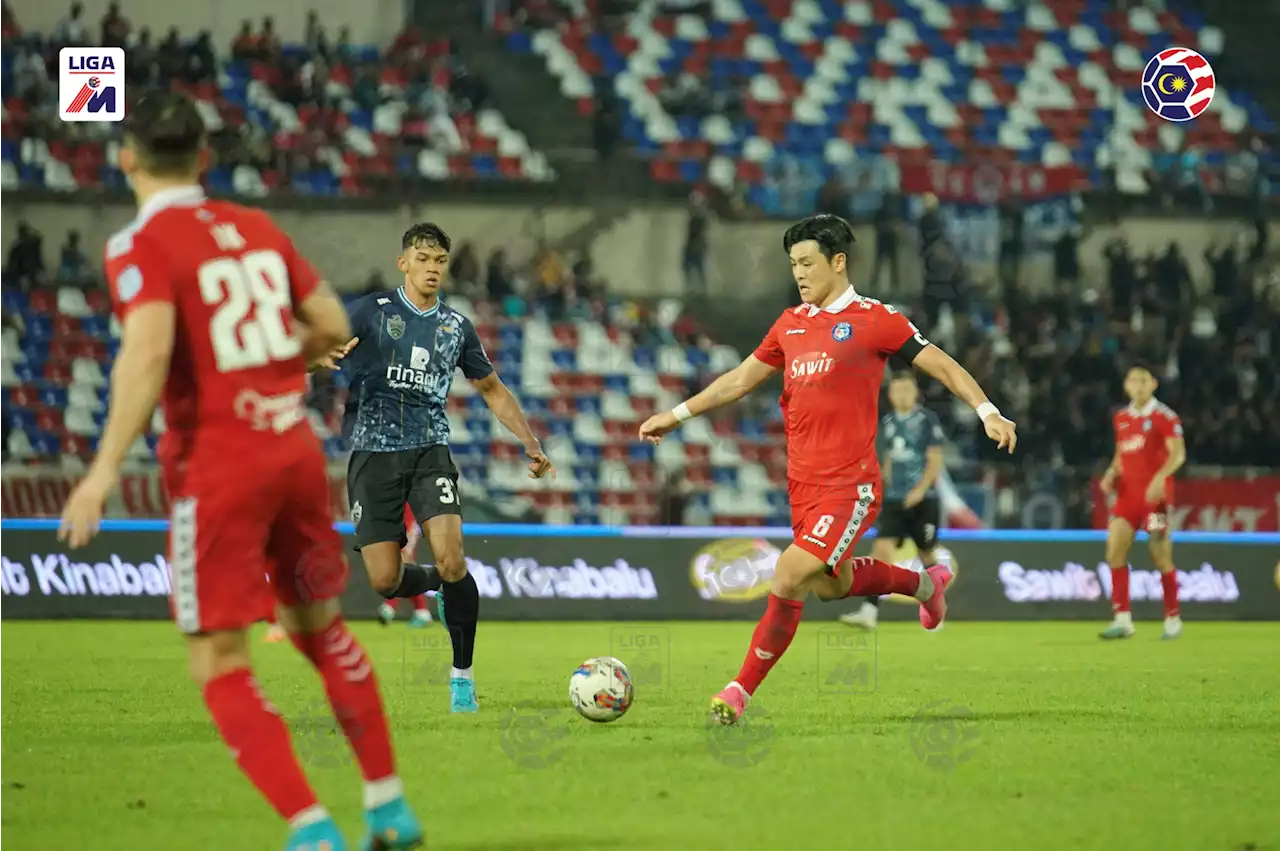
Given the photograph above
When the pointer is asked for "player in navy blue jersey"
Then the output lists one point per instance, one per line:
(909, 443)
(402, 361)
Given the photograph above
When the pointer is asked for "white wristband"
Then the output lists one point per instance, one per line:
(681, 412)
(986, 409)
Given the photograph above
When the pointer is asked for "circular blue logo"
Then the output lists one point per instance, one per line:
(842, 332)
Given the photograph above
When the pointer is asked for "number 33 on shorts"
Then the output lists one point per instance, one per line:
(447, 494)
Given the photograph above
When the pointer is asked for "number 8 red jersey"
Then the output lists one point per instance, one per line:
(238, 373)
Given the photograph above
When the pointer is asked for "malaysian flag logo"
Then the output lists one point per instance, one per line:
(1178, 84)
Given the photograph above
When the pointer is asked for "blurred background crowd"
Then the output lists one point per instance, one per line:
(617, 175)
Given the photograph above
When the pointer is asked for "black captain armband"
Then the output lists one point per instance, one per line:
(912, 348)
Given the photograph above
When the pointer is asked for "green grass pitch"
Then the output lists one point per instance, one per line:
(981, 736)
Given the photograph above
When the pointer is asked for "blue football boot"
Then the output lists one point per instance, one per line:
(392, 825)
(320, 836)
(462, 695)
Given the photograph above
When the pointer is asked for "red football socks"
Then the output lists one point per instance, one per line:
(1169, 584)
(770, 640)
(259, 741)
(420, 603)
(872, 577)
(1120, 589)
(352, 688)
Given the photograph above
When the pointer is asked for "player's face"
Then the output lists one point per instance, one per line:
(1139, 386)
(903, 394)
(816, 277)
(424, 266)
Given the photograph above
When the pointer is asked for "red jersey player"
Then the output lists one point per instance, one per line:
(832, 351)
(1149, 450)
(219, 313)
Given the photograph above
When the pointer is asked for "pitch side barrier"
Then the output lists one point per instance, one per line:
(642, 573)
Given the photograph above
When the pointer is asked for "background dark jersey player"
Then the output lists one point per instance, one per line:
(909, 445)
(832, 351)
(406, 348)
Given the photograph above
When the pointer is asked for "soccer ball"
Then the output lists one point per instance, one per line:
(601, 690)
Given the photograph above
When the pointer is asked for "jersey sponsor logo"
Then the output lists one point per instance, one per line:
(419, 358)
(794, 331)
(395, 326)
(270, 413)
(408, 378)
(842, 332)
(808, 366)
(91, 84)
(1133, 444)
(384, 301)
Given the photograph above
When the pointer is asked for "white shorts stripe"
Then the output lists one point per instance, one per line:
(182, 564)
(866, 498)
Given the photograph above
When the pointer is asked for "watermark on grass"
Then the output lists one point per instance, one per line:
(847, 661)
(426, 662)
(646, 651)
(319, 739)
(745, 744)
(533, 736)
(944, 735)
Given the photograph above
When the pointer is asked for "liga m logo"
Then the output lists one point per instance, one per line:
(91, 84)
(1178, 84)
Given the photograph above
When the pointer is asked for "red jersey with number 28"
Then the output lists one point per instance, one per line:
(832, 361)
(1142, 439)
(237, 375)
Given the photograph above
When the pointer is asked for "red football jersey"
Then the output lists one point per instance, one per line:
(832, 360)
(237, 375)
(1142, 435)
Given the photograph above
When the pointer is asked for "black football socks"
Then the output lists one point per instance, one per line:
(415, 579)
(461, 612)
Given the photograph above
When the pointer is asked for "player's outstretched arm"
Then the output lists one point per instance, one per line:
(137, 380)
(730, 387)
(328, 328)
(937, 363)
(506, 407)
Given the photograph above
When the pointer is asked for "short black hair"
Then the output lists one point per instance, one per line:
(425, 234)
(166, 130)
(833, 234)
(903, 375)
(1145, 366)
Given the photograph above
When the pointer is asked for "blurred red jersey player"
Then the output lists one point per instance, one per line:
(220, 314)
(1149, 450)
(832, 351)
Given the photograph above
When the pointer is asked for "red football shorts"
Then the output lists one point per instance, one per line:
(828, 520)
(242, 540)
(1141, 515)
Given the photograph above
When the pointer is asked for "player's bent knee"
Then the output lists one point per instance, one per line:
(308, 617)
(451, 565)
(382, 564)
(213, 654)
(794, 574)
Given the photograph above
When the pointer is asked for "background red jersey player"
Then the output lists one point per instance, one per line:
(219, 313)
(831, 351)
(1149, 450)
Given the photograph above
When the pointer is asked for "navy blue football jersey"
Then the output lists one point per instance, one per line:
(402, 369)
(904, 441)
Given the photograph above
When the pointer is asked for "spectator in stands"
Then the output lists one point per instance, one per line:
(73, 265)
(888, 226)
(171, 56)
(1066, 257)
(11, 28)
(342, 49)
(25, 263)
(1013, 243)
(246, 46)
(142, 68)
(313, 35)
(946, 277)
(30, 75)
(115, 27)
(464, 268)
(202, 63)
(72, 30)
(696, 238)
(498, 279)
(268, 41)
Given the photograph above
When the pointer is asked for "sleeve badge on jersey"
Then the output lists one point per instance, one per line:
(841, 332)
(129, 284)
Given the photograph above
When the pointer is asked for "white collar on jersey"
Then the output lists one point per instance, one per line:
(1146, 410)
(849, 297)
(174, 196)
